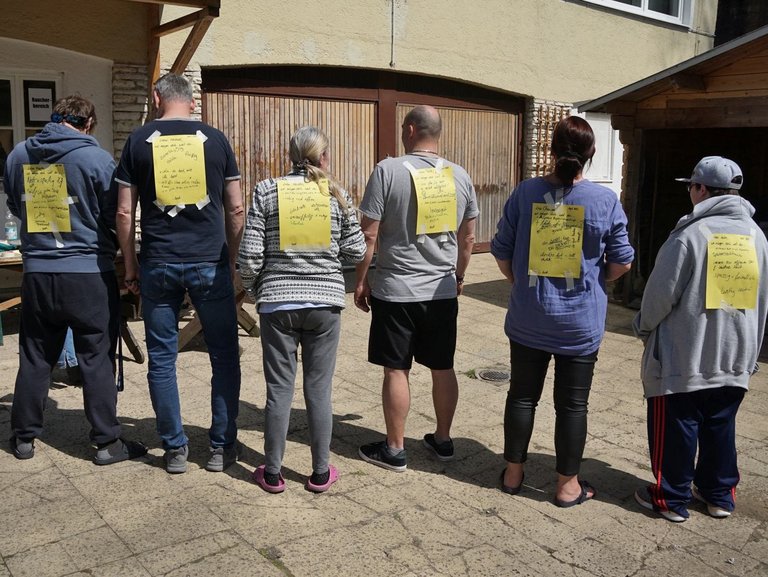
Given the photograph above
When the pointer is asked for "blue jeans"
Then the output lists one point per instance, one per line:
(67, 357)
(209, 285)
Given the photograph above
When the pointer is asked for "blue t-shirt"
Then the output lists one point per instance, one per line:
(549, 314)
(194, 234)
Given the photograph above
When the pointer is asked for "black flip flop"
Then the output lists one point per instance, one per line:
(585, 488)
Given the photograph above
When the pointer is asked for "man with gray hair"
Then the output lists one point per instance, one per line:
(184, 174)
(421, 208)
(702, 320)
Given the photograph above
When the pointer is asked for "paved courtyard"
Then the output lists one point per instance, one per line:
(62, 515)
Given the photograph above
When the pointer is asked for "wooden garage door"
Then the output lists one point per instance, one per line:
(484, 142)
(260, 127)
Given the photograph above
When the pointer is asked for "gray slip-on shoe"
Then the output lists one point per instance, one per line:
(119, 450)
(22, 449)
(176, 459)
(222, 457)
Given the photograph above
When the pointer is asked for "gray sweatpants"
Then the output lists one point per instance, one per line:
(317, 331)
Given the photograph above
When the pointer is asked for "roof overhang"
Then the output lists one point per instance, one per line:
(688, 74)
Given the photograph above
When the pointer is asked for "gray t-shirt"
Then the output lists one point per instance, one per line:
(411, 267)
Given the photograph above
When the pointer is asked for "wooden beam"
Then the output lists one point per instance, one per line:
(190, 45)
(184, 22)
(190, 3)
(683, 81)
(153, 49)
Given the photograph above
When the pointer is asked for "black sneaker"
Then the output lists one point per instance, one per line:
(443, 451)
(377, 454)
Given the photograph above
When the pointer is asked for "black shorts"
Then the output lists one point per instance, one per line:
(424, 331)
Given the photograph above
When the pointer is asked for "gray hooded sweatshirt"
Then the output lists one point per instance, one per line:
(687, 346)
(91, 245)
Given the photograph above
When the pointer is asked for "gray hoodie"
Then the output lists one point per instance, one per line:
(687, 346)
(90, 247)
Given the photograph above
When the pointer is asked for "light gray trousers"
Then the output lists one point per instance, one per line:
(317, 331)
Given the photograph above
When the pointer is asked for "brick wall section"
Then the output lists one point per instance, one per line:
(130, 89)
(540, 119)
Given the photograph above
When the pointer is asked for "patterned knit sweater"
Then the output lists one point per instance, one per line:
(272, 275)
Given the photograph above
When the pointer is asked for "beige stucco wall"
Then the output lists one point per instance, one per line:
(562, 50)
(111, 29)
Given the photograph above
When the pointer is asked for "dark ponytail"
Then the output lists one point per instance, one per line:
(573, 146)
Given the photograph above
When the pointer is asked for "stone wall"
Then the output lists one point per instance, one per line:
(539, 122)
(130, 101)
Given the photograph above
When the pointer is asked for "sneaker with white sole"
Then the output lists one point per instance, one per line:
(443, 451)
(176, 459)
(644, 499)
(379, 454)
(713, 510)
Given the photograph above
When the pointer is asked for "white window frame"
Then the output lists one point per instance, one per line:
(17, 78)
(684, 18)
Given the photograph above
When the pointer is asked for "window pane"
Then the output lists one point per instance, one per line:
(6, 118)
(669, 7)
(631, 2)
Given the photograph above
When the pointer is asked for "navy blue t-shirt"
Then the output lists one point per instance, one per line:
(194, 234)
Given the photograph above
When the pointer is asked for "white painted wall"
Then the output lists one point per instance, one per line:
(87, 75)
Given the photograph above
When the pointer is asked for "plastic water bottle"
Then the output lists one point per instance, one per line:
(11, 228)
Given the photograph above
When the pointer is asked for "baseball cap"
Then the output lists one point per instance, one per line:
(716, 172)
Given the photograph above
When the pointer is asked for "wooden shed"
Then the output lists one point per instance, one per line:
(713, 104)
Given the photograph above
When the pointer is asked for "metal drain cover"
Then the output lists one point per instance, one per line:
(494, 375)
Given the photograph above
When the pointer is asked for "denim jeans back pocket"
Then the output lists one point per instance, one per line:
(211, 280)
(153, 281)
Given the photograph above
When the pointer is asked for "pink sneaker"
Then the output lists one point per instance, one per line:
(333, 476)
(258, 478)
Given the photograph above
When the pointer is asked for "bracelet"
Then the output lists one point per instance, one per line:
(459, 279)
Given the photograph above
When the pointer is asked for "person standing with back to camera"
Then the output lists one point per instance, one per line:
(560, 238)
(289, 261)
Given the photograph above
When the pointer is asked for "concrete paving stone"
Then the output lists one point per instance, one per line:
(274, 519)
(490, 562)
(45, 523)
(49, 560)
(724, 558)
(161, 522)
(130, 567)
(596, 557)
(382, 499)
(36, 488)
(734, 532)
(757, 545)
(94, 548)
(674, 561)
(337, 552)
(223, 553)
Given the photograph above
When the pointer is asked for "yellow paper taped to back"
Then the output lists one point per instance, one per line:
(557, 232)
(46, 204)
(436, 200)
(732, 272)
(304, 210)
(179, 167)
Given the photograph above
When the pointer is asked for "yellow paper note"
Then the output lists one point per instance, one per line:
(46, 198)
(732, 273)
(304, 215)
(556, 237)
(436, 200)
(179, 163)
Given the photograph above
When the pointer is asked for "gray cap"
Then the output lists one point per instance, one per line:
(716, 172)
